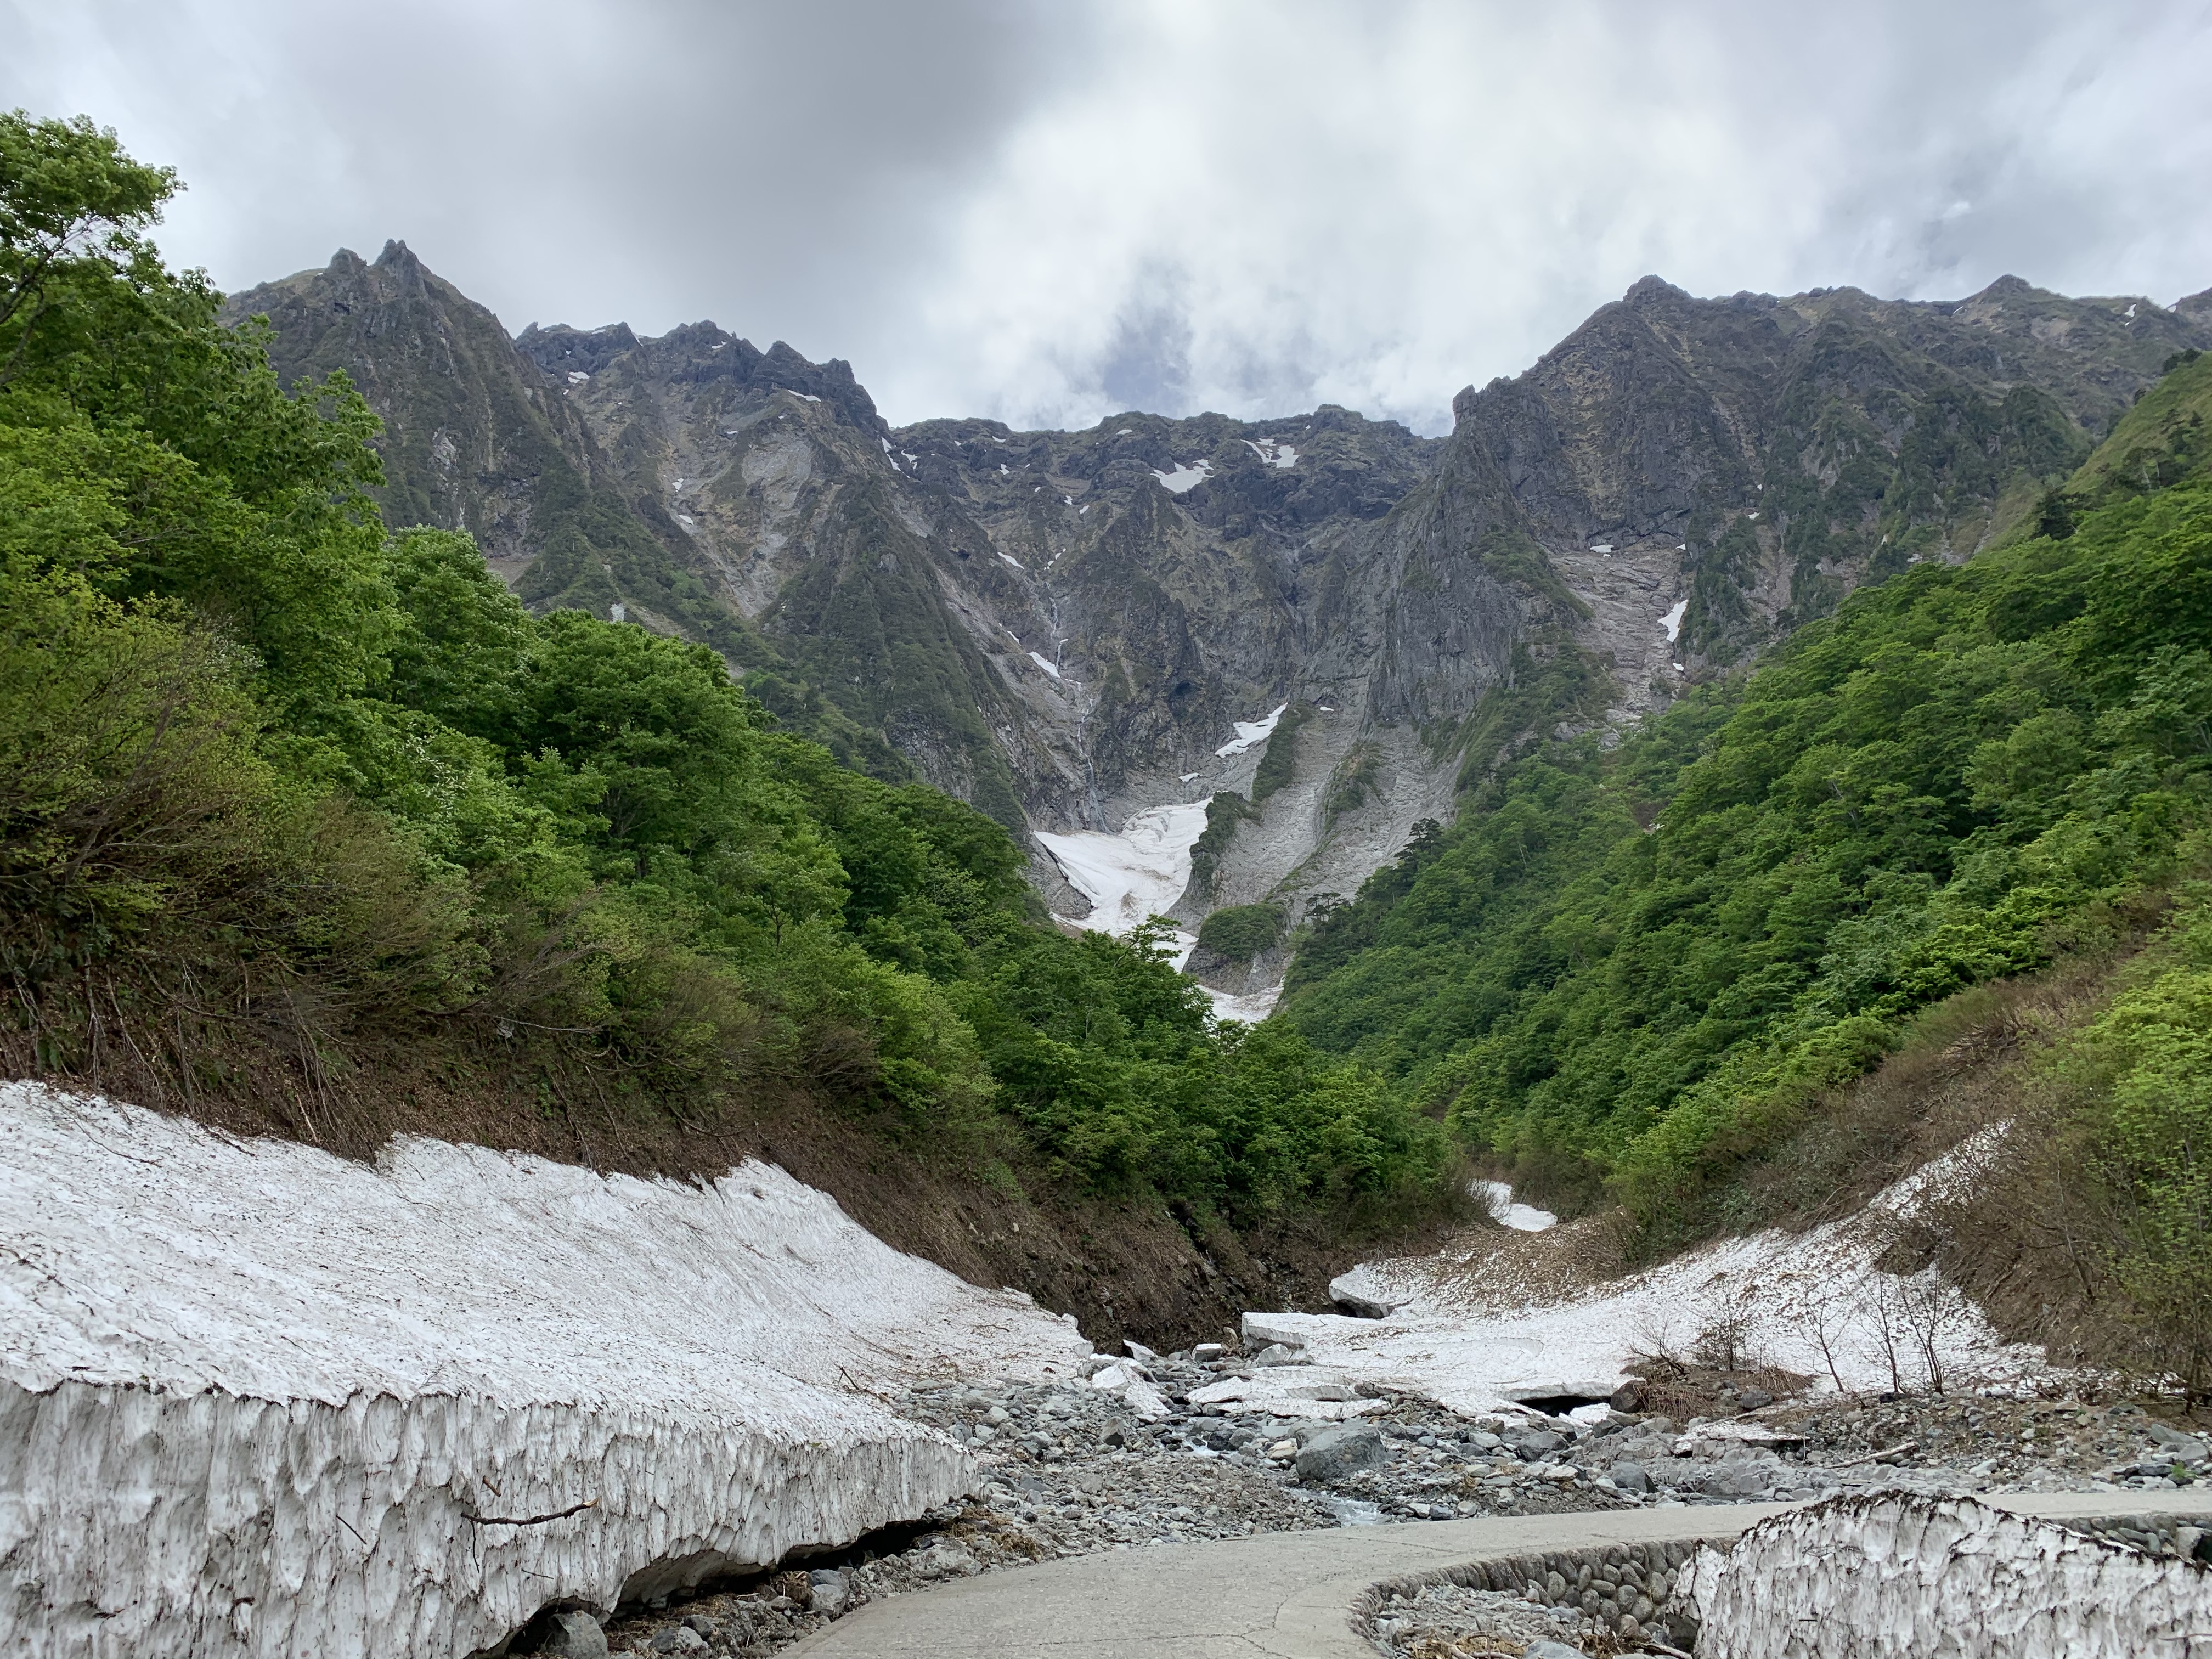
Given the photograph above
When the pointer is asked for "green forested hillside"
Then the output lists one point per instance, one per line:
(298, 811)
(1631, 969)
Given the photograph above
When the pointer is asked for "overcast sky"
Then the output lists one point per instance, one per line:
(1050, 211)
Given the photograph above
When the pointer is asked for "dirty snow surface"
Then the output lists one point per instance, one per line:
(1138, 873)
(1476, 1326)
(260, 1401)
(1251, 734)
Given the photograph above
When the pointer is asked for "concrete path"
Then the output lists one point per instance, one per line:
(1286, 1594)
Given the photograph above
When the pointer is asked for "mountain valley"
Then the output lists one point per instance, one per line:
(648, 1014)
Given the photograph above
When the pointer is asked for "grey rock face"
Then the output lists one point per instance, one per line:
(1748, 460)
(1340, 1451)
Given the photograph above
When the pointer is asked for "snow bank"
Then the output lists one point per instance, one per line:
(1889, 1575)
(1475, 1325)
(257, 1399)
(1360, 1292)
(1498, 1198)
(1045, 663)
(1138, 873)
(1251, 734)
(1672, 621)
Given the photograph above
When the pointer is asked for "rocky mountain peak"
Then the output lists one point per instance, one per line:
(397, 261)
(1072, 629)
(561, 350)
(1652, 290)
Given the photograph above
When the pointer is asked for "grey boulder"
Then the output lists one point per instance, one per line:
(1537, 1446)
(574, 1636)
(1343, 1451)
(829, 1591)
(944, 1560)
(2181, 1448)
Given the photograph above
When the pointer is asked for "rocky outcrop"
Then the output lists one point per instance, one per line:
(474, 438)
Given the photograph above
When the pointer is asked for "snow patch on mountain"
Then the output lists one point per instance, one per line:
(1251, 1008)
(1251, 734)
(1498, 1198)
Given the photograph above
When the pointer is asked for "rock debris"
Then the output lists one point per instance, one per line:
(1074, 1468)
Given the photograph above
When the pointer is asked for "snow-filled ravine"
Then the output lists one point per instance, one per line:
(1135, 875)
(1476, 1326)
(1498, 1198)
(258, 1400)
(1140, 873)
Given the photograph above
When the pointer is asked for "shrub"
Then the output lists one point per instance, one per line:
(1241, 931)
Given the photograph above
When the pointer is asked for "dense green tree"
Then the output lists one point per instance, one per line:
(275, 780)
(1628, 966)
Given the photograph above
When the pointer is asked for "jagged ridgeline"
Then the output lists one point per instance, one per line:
(1062, 628)
(313, 827)
(1655, 968)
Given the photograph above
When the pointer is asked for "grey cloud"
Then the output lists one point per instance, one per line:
(1049, 211)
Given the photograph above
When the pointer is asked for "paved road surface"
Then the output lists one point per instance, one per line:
(1287, 1594)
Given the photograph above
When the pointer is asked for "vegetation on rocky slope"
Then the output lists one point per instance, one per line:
(300, 811)
(1635, 969)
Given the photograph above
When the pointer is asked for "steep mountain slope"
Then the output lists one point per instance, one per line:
(1956, 831)
(1067, 628)
(473, 440)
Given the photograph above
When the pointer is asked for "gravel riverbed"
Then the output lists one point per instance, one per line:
(1070, 1468)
